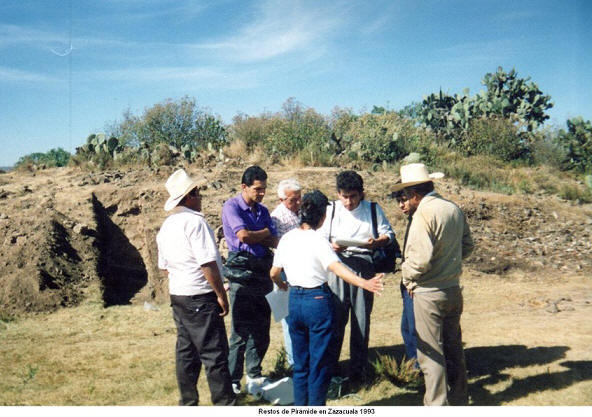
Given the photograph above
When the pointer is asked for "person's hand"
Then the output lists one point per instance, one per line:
(282, 285)
(371, 244)
(410, 292)
(338, 248)
(223, 302)
(375, 284)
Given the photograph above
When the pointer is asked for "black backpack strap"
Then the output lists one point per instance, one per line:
(374, 226)
(331, 221)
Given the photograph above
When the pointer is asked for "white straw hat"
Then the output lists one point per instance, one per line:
(179, 185)
(414, 174)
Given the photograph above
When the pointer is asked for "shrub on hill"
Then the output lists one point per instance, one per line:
(577, 142)
(380, 137)
(53, 158)
(496, 137)
(180, 124)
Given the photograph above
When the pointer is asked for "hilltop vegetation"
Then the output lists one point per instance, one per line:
(501, 128)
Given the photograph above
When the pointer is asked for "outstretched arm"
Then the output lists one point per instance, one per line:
(373, 285)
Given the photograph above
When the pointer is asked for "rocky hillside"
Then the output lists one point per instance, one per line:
(63, 229)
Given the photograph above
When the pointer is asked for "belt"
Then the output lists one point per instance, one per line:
(318, 287)
(196, 296)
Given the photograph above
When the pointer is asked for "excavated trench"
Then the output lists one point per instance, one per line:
(120, 265)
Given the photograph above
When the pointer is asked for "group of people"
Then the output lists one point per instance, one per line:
(322, 253)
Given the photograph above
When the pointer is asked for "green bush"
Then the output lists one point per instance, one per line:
(298, 133)
(382, 137)
(53, 158)
(495, 137)
(403, 374)
(180, 123)
(577, 142)
(252, 131)
(298, 130)
(546, 149)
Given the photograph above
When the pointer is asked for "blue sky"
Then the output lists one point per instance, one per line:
(107, 56)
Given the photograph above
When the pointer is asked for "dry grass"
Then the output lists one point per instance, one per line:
(517, 353)
(236, 149)
(486, 173)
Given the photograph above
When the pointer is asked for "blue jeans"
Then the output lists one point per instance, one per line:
(311, 320)
(408, 325)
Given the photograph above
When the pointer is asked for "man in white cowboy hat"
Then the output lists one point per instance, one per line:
(187, 251)
(438, 239)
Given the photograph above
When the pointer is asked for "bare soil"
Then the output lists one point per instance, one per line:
(527, 285)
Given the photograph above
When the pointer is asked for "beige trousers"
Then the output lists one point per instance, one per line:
(439, 346)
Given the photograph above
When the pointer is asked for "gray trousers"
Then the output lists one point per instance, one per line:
(201, 339)
(249, 329)
(439, 346)
(354, 300)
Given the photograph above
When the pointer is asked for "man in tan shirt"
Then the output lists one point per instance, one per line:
(438, 239)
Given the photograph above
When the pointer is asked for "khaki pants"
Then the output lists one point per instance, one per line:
(439, 346)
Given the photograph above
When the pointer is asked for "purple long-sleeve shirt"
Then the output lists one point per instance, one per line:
(236, 216)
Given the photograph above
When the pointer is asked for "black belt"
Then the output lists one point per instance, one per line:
(318, 287)
(197, 296)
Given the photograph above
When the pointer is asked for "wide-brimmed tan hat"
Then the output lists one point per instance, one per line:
(179, 185)
(413, 174)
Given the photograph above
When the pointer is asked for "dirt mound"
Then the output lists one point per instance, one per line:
(529, 233)
(47, 262)
(62, 229)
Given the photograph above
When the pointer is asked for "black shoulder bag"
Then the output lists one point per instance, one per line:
(383, 257)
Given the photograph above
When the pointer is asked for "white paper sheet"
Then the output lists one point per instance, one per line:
(351, 242)
(278, 301)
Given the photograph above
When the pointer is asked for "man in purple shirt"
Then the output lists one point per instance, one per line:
(249, 233)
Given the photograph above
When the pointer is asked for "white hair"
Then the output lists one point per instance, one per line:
(289, 184)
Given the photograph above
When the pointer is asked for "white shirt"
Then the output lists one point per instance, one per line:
(305, 256)
(355, 224)
(284, 219)
(185, 243)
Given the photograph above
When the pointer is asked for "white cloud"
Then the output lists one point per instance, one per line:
(469, 53)
(15, 35)
(13, 75)
(134, 10)
(281, 28)
(205, 77)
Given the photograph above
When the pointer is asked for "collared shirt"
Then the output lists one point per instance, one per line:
(355, 224)
(284, 219)
(236, 216)
(438, 239)
(185, 243)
